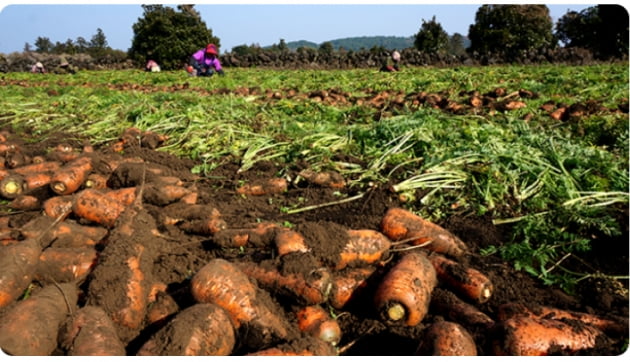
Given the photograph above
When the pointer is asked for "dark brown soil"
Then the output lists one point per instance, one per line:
(172, 255)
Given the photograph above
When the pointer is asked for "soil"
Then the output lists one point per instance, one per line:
(173, 254)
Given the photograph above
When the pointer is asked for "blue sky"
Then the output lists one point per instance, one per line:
(242, 22)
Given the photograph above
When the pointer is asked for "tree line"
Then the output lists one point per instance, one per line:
(504, 32)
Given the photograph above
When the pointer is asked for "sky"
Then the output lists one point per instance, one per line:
(243, 22)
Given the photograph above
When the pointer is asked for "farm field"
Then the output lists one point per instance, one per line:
(290, 178)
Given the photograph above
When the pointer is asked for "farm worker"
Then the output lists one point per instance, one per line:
(390, 64)
(205, 62)
(38, 68)
(152, 66)
(65, 67)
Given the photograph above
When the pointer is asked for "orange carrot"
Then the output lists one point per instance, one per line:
(96, 181)
(125, 279)
(209, 225)
(56, 206)
(447, 304)
(260, 235)
(250, 308)
(400, 224)
(12, 185)
(16, 159)
(404, 294)
(90, 332)
(329, 179)
(17, 268)
(307, 289)
(469, 282)
(526, 336)
(445, 338)
(347, 284)
(94, 206)
(305, 346)
(31, 326)
(276, 185)
(315, 321)
(163, 194)
(289, 241)
(125, 195)
(161, 309)
(203, 329)
(509, 310)
(363, 247)
(71, 176)
(69, 234)
(25, 203)
(64, 265)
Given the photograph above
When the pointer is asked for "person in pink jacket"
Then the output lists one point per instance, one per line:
(205, 62)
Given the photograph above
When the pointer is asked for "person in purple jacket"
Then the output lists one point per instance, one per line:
(205, 62)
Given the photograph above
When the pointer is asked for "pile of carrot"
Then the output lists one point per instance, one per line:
(78, 278)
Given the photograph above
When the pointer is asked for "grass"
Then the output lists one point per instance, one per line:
(555, 183)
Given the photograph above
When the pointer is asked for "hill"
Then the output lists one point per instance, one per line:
(363, 42)
(358, 43)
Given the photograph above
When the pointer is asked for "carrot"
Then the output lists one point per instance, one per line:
(31, 326)
(90, 332)
(346, 285)
(305, 346)
(400, 224)
(42, 167)
(96, 181)
(203, 329)
(250, 308)
(125, 195)
(125, 277)
(57, 205)
(289, 241)
(447, 304)
(315, 321)
(16, 159)
(260, 235)
(307, 289)
(71, 176)
(469, 282)
(17, 268)
(64, 265)
(404, 294)
(94, 206)
(509, 310)
(445, 338)
(163, 194)
(329, 179)
(12, 185)
(364, 246)
(69, 234)
(276, 185)
(25, 203)
(161, 309)
(209, 225)
(526, 336)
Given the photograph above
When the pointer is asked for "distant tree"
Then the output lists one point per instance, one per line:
(81, 45)
(603, 29)
(169, 36)
(326, 48)
(27, 47)
(510, 30)
(43, 45)
(431, 38)
(456, 45)
(99, 40)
